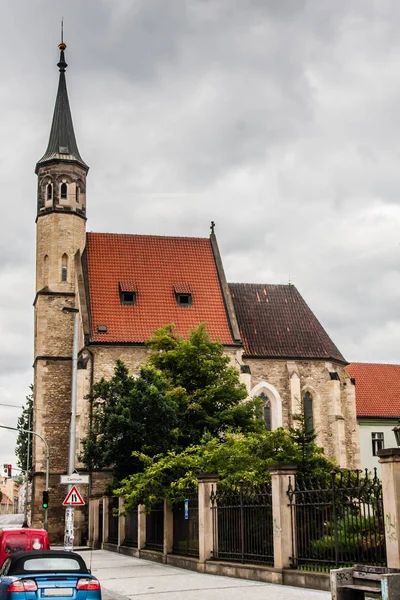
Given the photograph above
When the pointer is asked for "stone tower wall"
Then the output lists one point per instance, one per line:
(60, 233)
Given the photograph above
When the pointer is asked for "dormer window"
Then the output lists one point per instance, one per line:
(184, 299)
(101, 329)
(127, 292)
(128, 297)
(183, 294)
(63, 191)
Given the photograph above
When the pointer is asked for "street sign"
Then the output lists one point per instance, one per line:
(73, 498)
(74, 478)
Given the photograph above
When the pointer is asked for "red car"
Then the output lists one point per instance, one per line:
(24, 538)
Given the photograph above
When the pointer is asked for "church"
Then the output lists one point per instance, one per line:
(124, 287)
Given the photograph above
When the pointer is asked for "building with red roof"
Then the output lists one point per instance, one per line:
(378, 407)
(123, 287)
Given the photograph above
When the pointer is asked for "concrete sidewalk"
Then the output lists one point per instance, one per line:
(126, 577)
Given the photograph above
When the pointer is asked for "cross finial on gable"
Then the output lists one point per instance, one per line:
(212, 227)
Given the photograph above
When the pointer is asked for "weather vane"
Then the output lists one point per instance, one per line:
(61, 45)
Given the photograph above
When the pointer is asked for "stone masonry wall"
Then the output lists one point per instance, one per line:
(314, 377)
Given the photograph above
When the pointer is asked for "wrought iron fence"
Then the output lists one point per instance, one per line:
(337, 520)
(131, 529)
(186, 525)
(112, 521)
(242, 524)
(155, 527)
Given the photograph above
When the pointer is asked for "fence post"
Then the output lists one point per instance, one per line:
(106, 508)
(281, 514)
(168, 529)
(205, 516)
(92, 521)
(141, 526)
(121, 521)
(95, 524)
(390, 470)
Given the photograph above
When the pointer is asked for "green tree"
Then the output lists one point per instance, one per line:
(206, 389)
(238, 457)
(25, 422)
(186, 390)
(304, 436)
(129, 414)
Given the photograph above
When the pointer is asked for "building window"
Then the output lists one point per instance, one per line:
(266, 411)
(77, 194)
(46, 270)
(128, 297)
(63, 191)
(308, 412)
(377, 442)
(49, 193)
(184, 299)
(64, 267)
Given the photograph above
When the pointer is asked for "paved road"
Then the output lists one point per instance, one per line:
(124, 577)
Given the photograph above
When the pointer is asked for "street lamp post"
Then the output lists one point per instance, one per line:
(28, 431)
(69, 510)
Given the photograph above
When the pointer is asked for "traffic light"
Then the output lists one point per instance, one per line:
(5, 470)
(9, 470)
(45, 500)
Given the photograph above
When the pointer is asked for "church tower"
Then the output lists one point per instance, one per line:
(60, 235)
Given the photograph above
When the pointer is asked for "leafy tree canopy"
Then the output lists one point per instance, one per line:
(205, 386)
(187, 389)
(129, 414)
(239, 457)
(25, 423)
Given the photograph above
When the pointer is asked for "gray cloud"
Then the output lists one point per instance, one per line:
(278, 120)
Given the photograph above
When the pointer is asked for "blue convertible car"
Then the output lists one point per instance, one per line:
(53, 574)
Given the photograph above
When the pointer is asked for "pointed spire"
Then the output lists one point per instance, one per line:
(62, 142)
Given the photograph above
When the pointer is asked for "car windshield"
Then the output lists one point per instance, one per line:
(51, 563)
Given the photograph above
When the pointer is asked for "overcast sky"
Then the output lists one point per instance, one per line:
(277, 119)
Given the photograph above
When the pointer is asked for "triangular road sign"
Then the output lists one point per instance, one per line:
(73, 498)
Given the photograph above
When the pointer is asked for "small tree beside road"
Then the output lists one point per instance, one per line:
(25, 423)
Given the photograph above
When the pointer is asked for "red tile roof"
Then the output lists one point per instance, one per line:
(155, 265)
(275, 322)
(377, 389)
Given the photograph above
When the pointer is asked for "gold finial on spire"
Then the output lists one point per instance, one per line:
(61, 45)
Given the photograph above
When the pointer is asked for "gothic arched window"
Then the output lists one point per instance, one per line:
(77, 193)
(63, 191)
(266, 411)
(49, 191)
(64, 267)
(308, 412)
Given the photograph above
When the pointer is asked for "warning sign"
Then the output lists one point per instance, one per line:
(73, 498)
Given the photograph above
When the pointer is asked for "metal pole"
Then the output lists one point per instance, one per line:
(47, 459)
(26, 475)
(69, 510)
(72, 428)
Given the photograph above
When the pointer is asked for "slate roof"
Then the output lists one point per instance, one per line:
(275, 322)
(377, 389)
(156, 266)
(62, 142)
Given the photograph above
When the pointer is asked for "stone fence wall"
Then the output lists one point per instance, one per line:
(137, 536)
